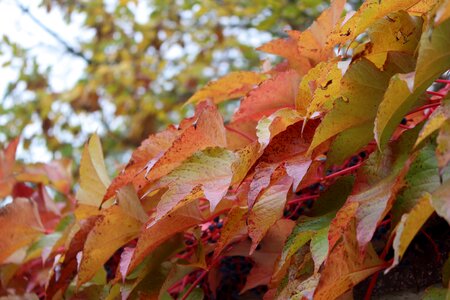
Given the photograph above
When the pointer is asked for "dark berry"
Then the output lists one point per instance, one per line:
(309, 203)
(404, 121)
(363, 154)
(211, 227)
(217, 219)
(219, 225)
(353, 161)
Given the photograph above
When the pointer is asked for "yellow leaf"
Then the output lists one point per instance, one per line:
(113, 229)
(94, 178)
(409, 225)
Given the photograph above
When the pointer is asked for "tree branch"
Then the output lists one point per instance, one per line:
(59, 39)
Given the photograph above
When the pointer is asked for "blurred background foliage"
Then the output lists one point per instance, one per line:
(140, 60)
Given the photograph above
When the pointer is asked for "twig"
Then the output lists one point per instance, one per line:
(66, 45)
(194, 284)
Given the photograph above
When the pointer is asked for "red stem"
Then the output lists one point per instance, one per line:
(443, 81)
(424, 107)
(342, 172)
(435, 246)
(373, 280)
(194, 284)
(302, 199)
(436, 94)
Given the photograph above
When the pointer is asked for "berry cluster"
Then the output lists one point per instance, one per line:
(233, 273)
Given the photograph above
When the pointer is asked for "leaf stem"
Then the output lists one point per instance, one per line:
(194, 284)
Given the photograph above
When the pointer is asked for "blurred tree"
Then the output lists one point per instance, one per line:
(141, 60)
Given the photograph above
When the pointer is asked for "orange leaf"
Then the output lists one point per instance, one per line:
(20, 225)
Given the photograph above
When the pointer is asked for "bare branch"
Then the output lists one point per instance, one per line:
(59, 39)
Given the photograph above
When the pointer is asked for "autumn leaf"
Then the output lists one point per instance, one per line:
(312, 43)
(113, 229)
(231, 86)
(209, 170)
(234, 226)
(207, 131)
(362, 88)
(61, 276)
(94, 179)
(434, 53)
(305, 230)
(398, 31)
(270, 126)
(155, 234)
(319, 88)
(443, 145)
(409, 225)
(440, 200)
(273, 94)
(369, 12)
(423, 176)
(268, 209)
(146, 154)
(434, 122)
(345, 266)
(20, 225)
(288, 49)
(7, 161)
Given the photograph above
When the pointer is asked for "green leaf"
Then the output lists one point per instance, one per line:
(434, 55)
(423, 176)
(362, 89)
(305, 230)
(436, 293)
